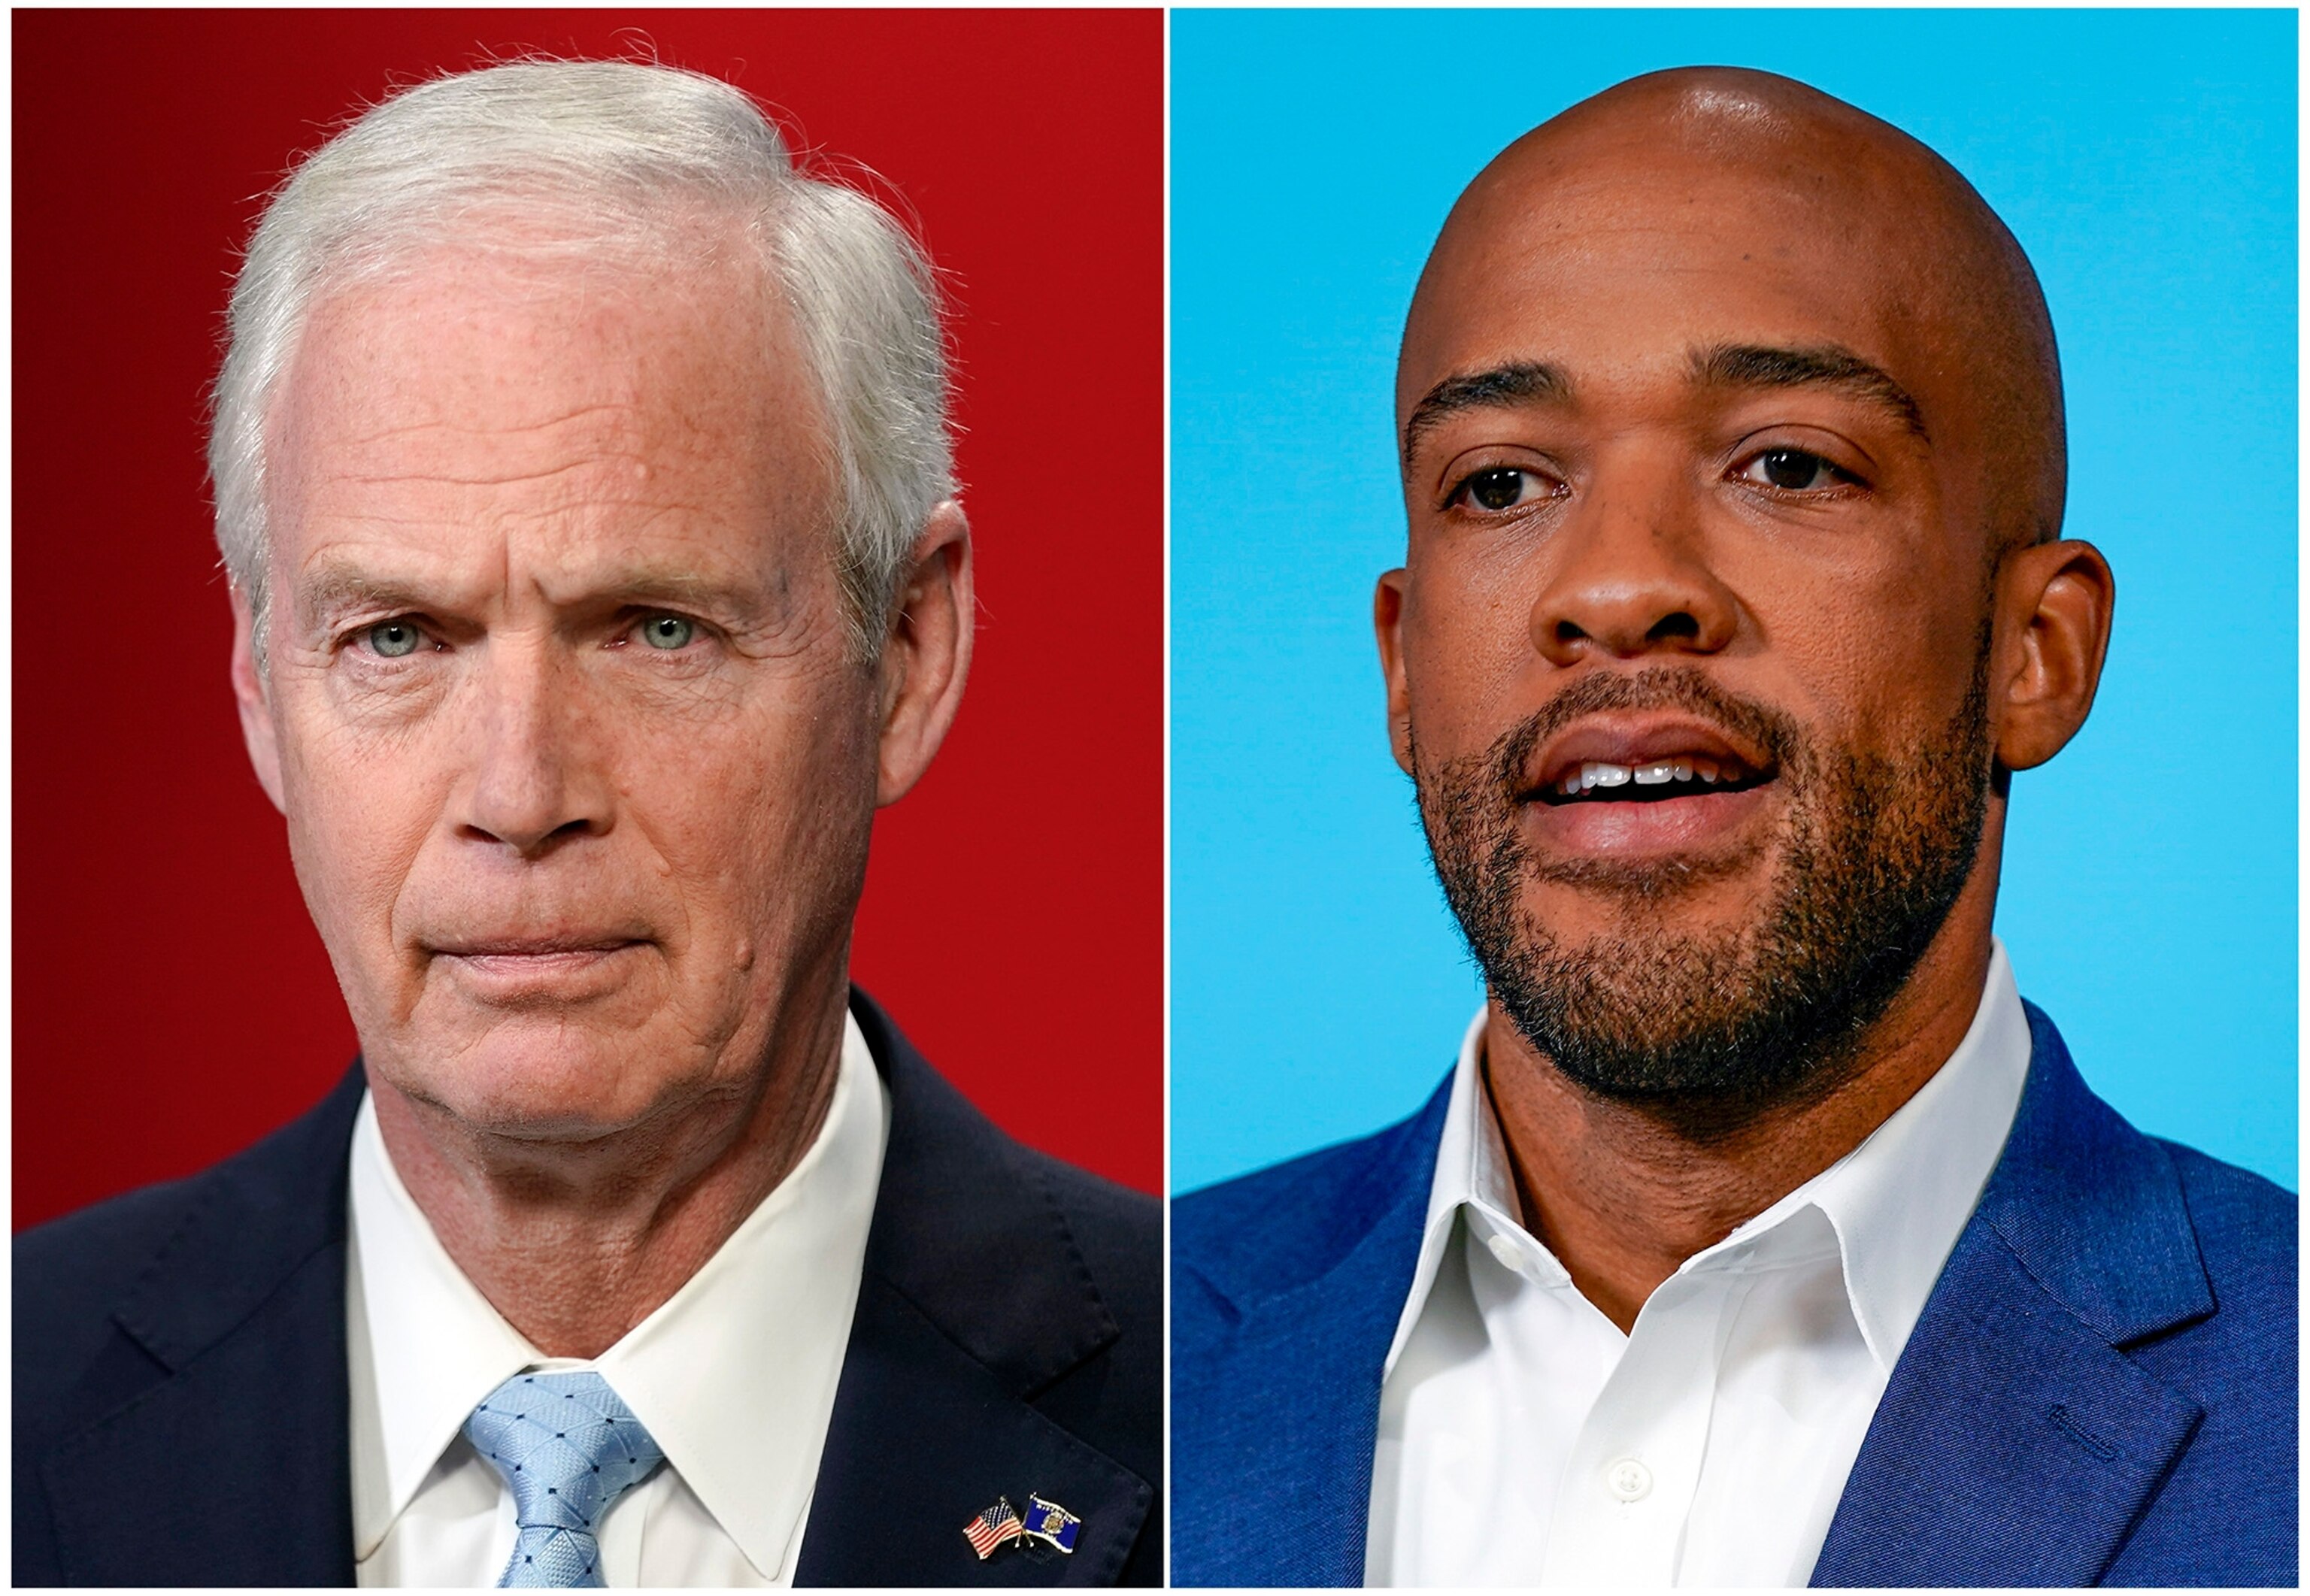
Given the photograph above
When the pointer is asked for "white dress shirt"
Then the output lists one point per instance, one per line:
(734, 1375)
(1524, 1440)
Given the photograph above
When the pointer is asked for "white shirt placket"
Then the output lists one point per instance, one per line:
(1629, 1483)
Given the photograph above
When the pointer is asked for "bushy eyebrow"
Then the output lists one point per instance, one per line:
(683, 590)
(1724, 366)
(1825, 365)
(1523, 382)
(337, 589)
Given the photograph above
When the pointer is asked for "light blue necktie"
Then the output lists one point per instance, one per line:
(568, 1448)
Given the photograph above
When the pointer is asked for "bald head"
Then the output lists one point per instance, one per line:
(1819, 228)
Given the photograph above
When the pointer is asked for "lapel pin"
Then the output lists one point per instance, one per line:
(994, 1526)
(1047, 1521)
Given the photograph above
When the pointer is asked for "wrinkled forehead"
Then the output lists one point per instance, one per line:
(461, 354)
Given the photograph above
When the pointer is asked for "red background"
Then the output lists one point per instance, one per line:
(172, 1001)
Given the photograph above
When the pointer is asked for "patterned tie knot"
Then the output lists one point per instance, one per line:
(568, 1448)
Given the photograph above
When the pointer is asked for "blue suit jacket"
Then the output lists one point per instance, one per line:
(2101, 1389)
(181, 1380)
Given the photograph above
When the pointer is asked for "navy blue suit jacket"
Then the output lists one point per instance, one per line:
(181, 1380)
(2101, 1389)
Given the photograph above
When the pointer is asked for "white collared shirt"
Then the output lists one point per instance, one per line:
(734, 1375)
(1524, 1440)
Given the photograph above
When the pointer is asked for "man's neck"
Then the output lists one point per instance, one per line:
(576, 1243)
(1623, 1196)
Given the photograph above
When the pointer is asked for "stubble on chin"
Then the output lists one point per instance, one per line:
(1712, 1026)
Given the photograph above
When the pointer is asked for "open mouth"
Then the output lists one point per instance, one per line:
(1653, 759)
(1651, 781)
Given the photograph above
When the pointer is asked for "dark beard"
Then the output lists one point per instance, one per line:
(1710, 1031)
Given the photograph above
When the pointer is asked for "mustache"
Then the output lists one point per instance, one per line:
(1657, 687)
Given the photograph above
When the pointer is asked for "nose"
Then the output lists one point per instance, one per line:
(537, 783)
(1632, 578)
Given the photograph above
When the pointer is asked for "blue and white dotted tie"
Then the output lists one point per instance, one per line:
(568, 1448)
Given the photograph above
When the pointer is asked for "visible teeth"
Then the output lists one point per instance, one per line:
(1603, 773)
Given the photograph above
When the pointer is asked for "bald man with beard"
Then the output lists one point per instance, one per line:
(1762, 1235)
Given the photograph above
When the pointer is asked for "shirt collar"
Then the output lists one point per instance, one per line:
(1469, 1127)
(1900, 1201)
(1895, 1203)
(734, 1375)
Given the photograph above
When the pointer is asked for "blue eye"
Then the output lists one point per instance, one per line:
(393, 638)
(667, 631)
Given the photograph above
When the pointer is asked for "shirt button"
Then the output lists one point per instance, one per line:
(1628, 1479)
(1506, 1252)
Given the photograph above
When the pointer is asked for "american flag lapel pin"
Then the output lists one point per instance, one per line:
(993, 1527)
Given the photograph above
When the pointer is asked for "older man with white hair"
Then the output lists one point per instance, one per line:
(583, 484)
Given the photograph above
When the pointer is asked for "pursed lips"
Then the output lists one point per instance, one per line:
(531, 947)
(519, 959)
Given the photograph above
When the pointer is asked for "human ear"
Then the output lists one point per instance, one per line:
(1387, 626)
(2062, 595)
(256, 729)
(926, 654)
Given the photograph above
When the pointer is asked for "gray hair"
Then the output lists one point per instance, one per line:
(607, 152)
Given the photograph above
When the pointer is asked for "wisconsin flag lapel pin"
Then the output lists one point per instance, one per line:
(1047, 1521)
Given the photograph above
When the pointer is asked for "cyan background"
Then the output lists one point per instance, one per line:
(2146, 161)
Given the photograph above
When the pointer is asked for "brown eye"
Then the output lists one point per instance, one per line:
(1795, 471)
(1502, 487)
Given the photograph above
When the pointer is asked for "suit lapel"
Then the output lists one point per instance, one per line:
(1303, 1489)
(222, 1398)
(1284, 1496)
(2016, 1443)
(223, 1402)
(974, 1300)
